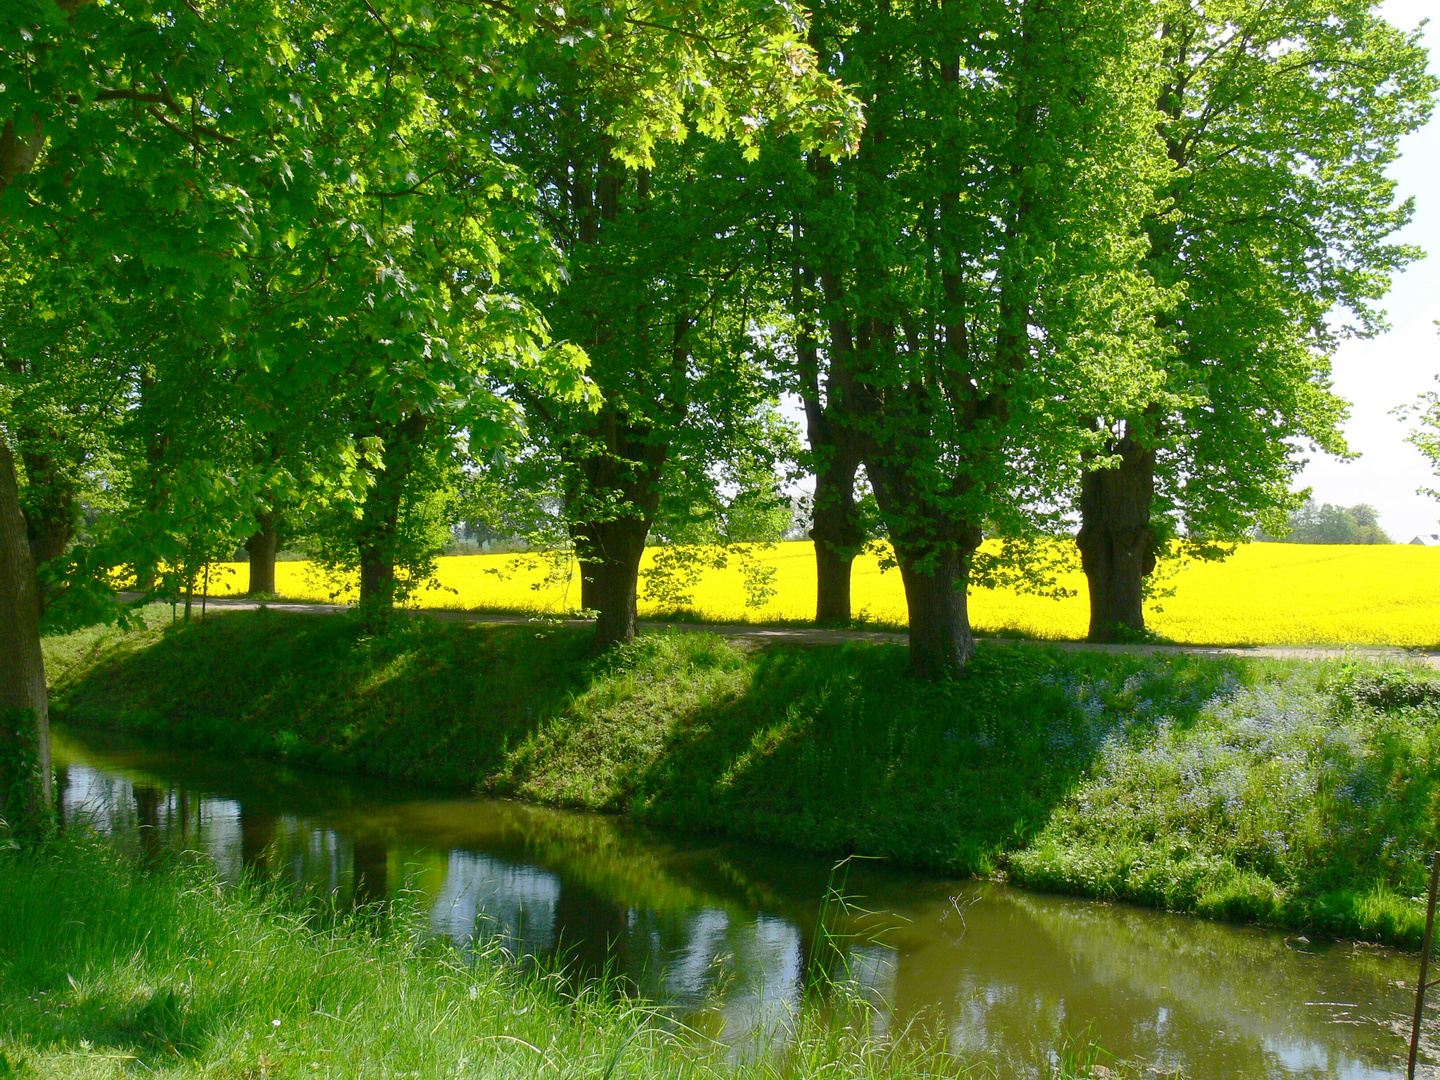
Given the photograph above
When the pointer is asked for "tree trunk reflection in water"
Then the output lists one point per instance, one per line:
(61, 792)
(372, 871)
(590, 932)
(257, 840)
(147, 817)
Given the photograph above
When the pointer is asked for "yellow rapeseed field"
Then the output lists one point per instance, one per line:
(1263, 594)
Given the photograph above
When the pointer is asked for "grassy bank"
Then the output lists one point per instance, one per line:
(109, 970)
(1296, 794)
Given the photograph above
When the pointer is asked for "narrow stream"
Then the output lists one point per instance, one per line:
(724, 935)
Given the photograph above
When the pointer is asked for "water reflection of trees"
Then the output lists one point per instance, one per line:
(1247, 996)
(729, 937)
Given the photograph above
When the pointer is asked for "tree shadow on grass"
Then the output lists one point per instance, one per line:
(837, 749)
(428, 702)
(831, 749)
(154, 1027)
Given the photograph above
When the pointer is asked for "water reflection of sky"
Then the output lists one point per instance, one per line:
(492, 901)
(1009, 979)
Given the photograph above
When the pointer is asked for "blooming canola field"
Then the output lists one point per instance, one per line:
(1264, 594)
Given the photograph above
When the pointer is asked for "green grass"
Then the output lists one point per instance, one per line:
(1299, 794)
(109, 970)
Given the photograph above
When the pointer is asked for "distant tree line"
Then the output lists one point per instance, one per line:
(1321, 523)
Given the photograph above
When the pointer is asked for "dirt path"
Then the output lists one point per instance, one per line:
(808, 635)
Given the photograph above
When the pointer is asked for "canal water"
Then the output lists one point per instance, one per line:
(730, 938)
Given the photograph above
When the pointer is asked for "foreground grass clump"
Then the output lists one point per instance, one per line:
(1296, 794)
(109, 969)
(1264, 594)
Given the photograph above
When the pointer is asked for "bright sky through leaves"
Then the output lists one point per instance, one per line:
(1396, 367)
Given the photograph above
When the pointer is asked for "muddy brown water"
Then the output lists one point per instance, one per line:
(728, 938)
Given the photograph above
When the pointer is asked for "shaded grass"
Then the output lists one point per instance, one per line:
(110, 970)
(1289, 793)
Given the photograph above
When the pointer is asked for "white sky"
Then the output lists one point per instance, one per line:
(1397, 366)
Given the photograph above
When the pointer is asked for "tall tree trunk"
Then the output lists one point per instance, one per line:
(377, 566)
(935, 551)
(837, 533)
(835, 521)
(25, 787)
(609, 554)
(379, 536)
(833, 565)
(261, 547)
(935, 579)
(376, 548)
(50, 513)
(1117, 545)
(835, 524)
(615, 491)
(157, 483)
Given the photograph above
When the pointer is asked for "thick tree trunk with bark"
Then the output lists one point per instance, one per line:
(377, 572)
(836, 526)
(609, 547)
(50, 513)
(157, 483)
(612, 502)
(833, 565)
(49, 540)
(261, 547)
(25, 788)
(379, 537)
(1117, 545)
(935, 551)
(935, 580)
(838, 537)
(609, 554)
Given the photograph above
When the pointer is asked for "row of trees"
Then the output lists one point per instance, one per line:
(265, 263)
(309, 269)
(1322, 523)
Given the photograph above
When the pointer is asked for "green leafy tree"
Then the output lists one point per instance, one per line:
(63, 399)
(180, 144)
(1317, 523)
(805, 184)
(1425, 435)
(1278, 122)
(975, 267)
(667, 283)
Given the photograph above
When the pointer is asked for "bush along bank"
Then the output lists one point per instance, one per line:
(1287, 793)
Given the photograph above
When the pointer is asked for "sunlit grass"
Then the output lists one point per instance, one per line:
(1263, 594)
